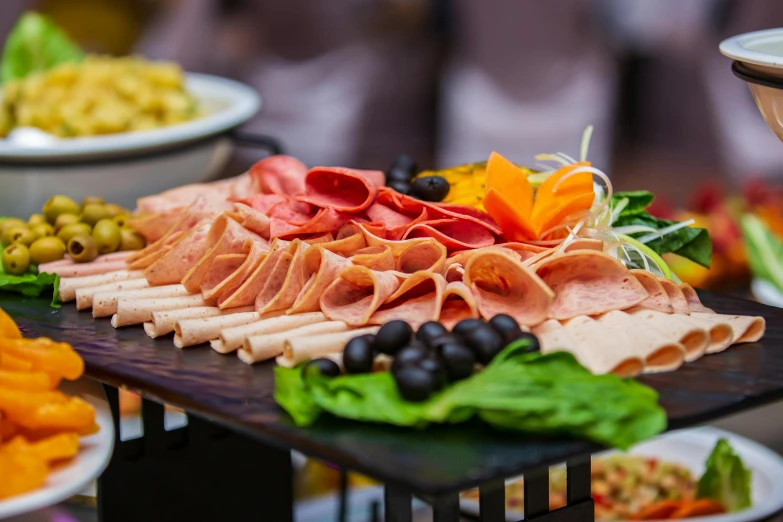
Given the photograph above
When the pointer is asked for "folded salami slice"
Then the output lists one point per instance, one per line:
(84, 295)
(300, 349)
(325, 220)
(396, 223)
(745, 328)
(397, 247)
(252, 286)
(190, 332)
(458, 304)
(676, 296)
(694, 303)
(658, 298)
(285, 281)
(104, 304)
(378, 257)
(137, 311)
(586, 282)
(418, 299)
(163, 321)
(501, 285)
(455, 234)
(694, 338)
(231, 339)
(256, 252)
(69, 285)
(356, 294)
(659, 352)
(425, 255)
(173, 266)
(259, 348)
(279, 175)
(344, 190)
(320, 268)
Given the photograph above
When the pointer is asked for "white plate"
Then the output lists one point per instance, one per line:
(227, 104)
(71, 478)
(690, 448)
(766, 293)
(759, 50)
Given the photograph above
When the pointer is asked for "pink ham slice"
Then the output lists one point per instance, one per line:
(179, 197)
(323, 238)
(694, 303)
(219, 270)
(356, 294)
(348, 240)
(418, 299)
(319, 267)
(658, 299)
(378, 257)
(283, 287)
(454, 266)
(326, 220)
(502, 285)
(523, 250)
(586, 282)
(455, 234)
(424, 255)
(676, 296)
(152, 227)
(255, 254)
(279, 175)
(87, 269)
(67, 261)
(396, 223)
(458, 304)
(585, 243)
(246, 294)
(173, 266)
(253, 220)
(344, 190)
(265, 202)
(397, 247)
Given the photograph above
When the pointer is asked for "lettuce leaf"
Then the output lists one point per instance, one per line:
(548, 395)
(726, 479)
(765, 251)
(638, 201)
(36, 44)
(31, 284)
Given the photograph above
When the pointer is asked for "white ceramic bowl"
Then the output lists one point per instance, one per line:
(123, 167)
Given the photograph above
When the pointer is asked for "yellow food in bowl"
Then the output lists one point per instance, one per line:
(101, 95)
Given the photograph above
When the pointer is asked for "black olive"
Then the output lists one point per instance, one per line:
(446, 338)
(506, 326)
(458, 360)
(393, 336)
(406, 163)
(430, 188)
(435, 366)
(320, 367)
(466, 325)
(400, 186)
(398, 174)
(533, 345)
(415, 384)
(485, 342)
(358, 355)
(409, 355)
(430, 330)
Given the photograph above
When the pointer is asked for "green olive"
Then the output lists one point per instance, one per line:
(68, 231)
(93, 213)
(35, 219)
(65, 219)
(121, 220)
(106, 235)
(10, 223)
(46, 249)
(82, 248)
(18, 234)
(91, 200)
(131, 240)
(116, 210)
(57, 205)
(16, 259)
(42, 230)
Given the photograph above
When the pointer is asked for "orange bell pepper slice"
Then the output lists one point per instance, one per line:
(46, 410)
(8, 328)
(515, 226)
(57, 359)
(550, 217)
(509, 181)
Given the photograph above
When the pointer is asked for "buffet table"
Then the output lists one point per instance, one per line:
(232, 461)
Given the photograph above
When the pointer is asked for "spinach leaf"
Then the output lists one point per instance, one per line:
(35, 44)
(765, 251)
(638, 201)
(726, 479)
(689, 242)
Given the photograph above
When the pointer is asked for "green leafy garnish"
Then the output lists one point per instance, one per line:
(36, 44)
(31, 284)
(689, 242)
(549, 395)
(765, 251)
(726, 479)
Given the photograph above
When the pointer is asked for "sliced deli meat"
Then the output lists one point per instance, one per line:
(356, 294)
(378, 257)
(599, 350)
(253, 220)
(279, 175)
(252, 286)
(425, 255)
(721, 333)
(69, 285)
(320, 267)
(223, 289)
(302, 349)
(344, 190)
(88, 269)
(104, 304)
(418, 299)
(259, 348)
(676, 296)
(231, 339)
(586, 282)
(694, 303)
(658, 298)
(190, 332)
(455, 234)
(694, 338)
(280, 294)
(659, 352)
(137, 311)
(84, 295)
(502, 285)
(173, 266)
(745, 328)
(458, 304)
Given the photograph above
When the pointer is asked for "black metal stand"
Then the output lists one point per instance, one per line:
(199, 472)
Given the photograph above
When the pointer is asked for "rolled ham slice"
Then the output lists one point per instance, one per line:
(356, 294)
(694, 303)
(137, 311)
(659, 353)
(68, 261)
(221, 269)
(151, 258)
(418, 299)
(190, 332)
(259, 348)
(68, 285)
(378, 257)
(84, 295)
(320, 268)
(694, 338)
(427, 255)
(676, 296)
(222, 290)
(252, 286)
(502, 285)
(253, 220)
(346, 245)
(301, 349)
(658, 298)
(173, 266)
(342, 189)
(458, 304)
(104, 304)
(586, 282)
(164, 321)
(591, 343)
(745, 328)
(231, 339)
(721, 334)
(284, 282)
(87, 269)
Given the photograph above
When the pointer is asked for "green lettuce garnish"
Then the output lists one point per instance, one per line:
(689, 242)
(31, 284)
(726, 479)
(36, 44)
(549, 395)
(765, 251)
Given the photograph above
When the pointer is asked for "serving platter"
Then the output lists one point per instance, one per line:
(77, 474)
(690, 448)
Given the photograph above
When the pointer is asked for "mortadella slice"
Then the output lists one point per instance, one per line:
(454, 234)
(356, 294)
(253, 220)
(659, 352)
(598, 350)
(285, 281)
(458, 304)
(694, 303)
(426, 255)
(501, 285)
(418, 299)
(378, 257)
(344, 190)
(220, 269)
(256, 252)
(676, 296)
(326, 220)
(320, 267)
(246, 294)
(658, 298)
(173, 266)
(586, 282)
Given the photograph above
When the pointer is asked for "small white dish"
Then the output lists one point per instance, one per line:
(760, 51)
(71, 478)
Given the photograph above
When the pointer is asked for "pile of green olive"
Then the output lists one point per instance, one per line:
(82, 231)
